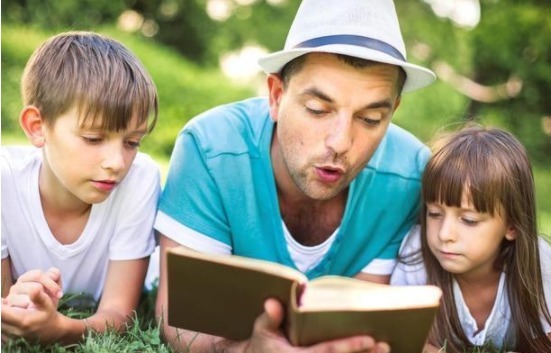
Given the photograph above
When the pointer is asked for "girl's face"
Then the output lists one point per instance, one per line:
(465, 242)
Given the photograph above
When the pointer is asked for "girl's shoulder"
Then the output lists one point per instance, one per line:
(545, 260)
(410, 269)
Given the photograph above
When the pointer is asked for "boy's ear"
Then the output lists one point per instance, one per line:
(33, 125)
(511, 233)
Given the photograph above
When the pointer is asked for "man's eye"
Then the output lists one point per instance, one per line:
(316, 112)
(370, 122)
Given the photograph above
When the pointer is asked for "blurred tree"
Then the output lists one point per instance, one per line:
(501, 66)
(81, 14)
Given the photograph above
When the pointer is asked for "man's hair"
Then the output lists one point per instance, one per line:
(99, 76)
(295, 65)
(492, 168)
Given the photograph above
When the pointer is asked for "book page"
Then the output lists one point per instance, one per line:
(340, 293)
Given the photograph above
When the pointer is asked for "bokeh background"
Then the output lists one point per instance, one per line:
(493, 59)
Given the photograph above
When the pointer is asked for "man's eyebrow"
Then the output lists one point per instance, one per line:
(317, 93)
(385, 103)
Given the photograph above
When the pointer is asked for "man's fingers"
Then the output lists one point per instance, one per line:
(352, 344)
(273, 315)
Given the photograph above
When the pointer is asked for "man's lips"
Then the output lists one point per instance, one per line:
(329, 174)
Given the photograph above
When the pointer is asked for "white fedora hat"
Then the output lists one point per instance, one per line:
(366, 29)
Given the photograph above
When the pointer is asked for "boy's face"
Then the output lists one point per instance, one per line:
(85, 163)
(330, 118)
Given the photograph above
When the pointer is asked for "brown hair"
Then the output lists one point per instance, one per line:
(492, 166)
(97, 74)
(294, 66)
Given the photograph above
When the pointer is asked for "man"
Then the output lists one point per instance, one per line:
(314, 177)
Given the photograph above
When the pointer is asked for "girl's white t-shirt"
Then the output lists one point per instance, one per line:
(498, 328)
(119, 228)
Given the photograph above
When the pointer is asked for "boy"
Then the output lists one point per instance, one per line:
(78, 207)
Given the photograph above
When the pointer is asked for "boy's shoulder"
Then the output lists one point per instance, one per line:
(19, 158)
(143, 168)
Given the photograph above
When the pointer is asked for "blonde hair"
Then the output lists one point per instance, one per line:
(97, 74)
(492, 167)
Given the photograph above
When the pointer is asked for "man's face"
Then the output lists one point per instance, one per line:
(330, 119)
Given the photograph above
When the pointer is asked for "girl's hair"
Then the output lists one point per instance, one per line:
(96, 74)
(492, 167)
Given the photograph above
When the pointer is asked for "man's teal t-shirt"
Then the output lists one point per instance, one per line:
(221, 184)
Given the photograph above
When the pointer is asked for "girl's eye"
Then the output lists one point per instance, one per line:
(469, 221)
(432, 214)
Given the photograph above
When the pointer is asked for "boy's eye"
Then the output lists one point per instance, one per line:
(92, 139)
(133, 144)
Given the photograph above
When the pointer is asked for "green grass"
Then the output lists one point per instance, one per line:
(142, 335)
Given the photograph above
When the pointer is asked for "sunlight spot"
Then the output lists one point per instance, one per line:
(219, 10)
(242, 64)
(130, 21)
(463, 13)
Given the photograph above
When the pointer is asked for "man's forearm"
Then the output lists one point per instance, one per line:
(189, 341)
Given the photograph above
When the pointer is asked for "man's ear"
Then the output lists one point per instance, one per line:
(275, 90)
(33, 125)
(397, 103)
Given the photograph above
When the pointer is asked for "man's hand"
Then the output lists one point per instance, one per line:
(268, 337)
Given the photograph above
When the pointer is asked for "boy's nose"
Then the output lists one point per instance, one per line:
(114, 158)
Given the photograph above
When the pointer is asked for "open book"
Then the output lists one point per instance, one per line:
(222, 295)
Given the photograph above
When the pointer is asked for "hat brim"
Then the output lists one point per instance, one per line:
(417, 76)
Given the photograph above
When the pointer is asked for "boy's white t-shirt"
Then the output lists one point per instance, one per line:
(498, 328)
(119, 228)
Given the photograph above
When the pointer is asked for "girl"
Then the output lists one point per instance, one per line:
(478, 242)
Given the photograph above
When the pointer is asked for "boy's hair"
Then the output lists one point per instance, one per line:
(492, 167)
(96, 74)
